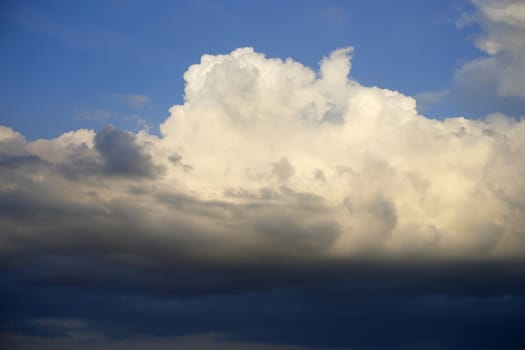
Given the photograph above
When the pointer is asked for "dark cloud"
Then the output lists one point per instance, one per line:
(122, 155)
(16, 161)
(293, 316)
(119, 243)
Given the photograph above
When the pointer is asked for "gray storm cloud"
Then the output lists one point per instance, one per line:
(266, 163)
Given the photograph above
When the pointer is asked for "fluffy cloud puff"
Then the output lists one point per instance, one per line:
(393, 180)
(267, 164)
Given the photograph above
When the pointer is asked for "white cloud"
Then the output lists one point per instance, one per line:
(244, 113)
(503, 39)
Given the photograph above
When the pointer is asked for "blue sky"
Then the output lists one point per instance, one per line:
(63, 62)
(262, 175)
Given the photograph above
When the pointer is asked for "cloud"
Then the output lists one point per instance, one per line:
(193, 342)
(429, 171)
(132, 100)
(333, 15)
(137, 120)
(429, 98)
(122, 155)
(499, 75)
(271, 175)
(314, 319)
(283, 170)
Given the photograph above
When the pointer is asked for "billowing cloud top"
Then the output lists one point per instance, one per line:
(391, 180)
(267, 164)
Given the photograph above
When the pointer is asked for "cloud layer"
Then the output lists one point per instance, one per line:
(268, 158)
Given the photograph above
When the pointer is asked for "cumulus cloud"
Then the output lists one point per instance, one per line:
(291, 123)
(501, 73)
(267, 166)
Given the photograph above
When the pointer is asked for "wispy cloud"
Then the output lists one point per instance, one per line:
(137, 120)
(97, 115)
(132, 100)
(334, 15)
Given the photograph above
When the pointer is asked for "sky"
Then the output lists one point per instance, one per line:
(262, 175)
